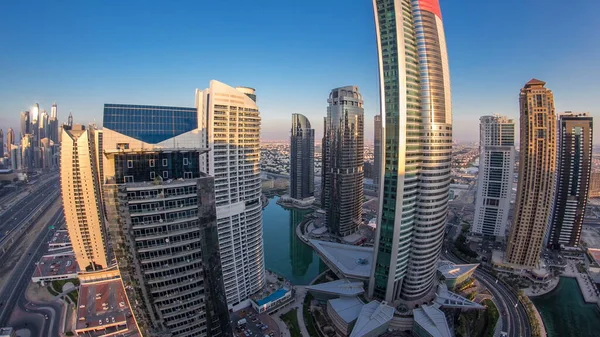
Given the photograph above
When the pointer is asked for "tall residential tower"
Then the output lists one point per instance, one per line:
(575, 137)
(302, 161)
(495, 180)
(343, 161)
(416, 118)
(537, 166)
(80, 189)
(230, 123)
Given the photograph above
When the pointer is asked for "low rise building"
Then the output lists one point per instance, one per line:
(343, 313)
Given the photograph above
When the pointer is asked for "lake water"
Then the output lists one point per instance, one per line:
(566, 314)
(285, 253)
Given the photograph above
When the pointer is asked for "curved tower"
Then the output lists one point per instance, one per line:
(417, 141)
(302, 158)
(343, 161)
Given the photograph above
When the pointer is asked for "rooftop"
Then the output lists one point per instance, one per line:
(595, 254)
(348, 308)
(448, 299)
(103, 309)
(352, 261)
(339, 287)
(452, 271)
(373, 316)
(60, 239)
(433, 320)
(55, 267)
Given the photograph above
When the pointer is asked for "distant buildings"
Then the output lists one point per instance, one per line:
(495, 180)
(416, 114)
(595, 185)
(229, 125)
(1, 144)
(81, 198)
(10, 141)
(377, 152)
(575, 137)
(162, 220)
(302, 161)
(343, 160)
(537, 166)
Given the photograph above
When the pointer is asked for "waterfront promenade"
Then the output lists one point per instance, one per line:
(586, 284)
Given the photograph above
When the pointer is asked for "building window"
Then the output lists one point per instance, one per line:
(152, 175)
(130, 164)
(165, 174)
(185, 161)
(165, 162)
(128, 179)
(187, 175)
(151, 162)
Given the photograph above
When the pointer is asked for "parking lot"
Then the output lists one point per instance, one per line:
(255, 325)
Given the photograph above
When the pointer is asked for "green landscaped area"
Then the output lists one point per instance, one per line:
(478, 322)
(291, 320)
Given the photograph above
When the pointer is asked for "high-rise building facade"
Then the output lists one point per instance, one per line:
(343, 161)
(25, 124)
(302, 158)
(230, 124)
(10, 141)
(495, 180)
(1, 144)
(80, 189)
(52, 132)
(594, 184)
(414, 82)
(377, 152)
(161, 217)
(574, 163)
(537, 166)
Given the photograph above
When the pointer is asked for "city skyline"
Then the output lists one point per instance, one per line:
(93, 78)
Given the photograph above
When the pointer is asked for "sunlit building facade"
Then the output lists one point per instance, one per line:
(496, 175)
(230, 122)
(416, 117)
(343, 161)
(80, 189)
(377, 152)
(537, 166)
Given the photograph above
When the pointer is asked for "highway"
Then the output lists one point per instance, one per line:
(14, 292)
(514, 316)
(19, 211)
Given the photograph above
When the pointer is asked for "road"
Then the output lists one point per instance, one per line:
(14, 292)
(515, 322)
(19, 211)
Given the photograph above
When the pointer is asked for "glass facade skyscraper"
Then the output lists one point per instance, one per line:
(150, 124)
(161, 214)
(575, 144)
(343, 161)
(416, 119)
(302, 158)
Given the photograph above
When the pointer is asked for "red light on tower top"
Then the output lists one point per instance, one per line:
(432, 6)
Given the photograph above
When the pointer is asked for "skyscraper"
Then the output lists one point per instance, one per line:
(495, 180)
(230, 124)
(1, 144)
(537, 166)
(44, 125)
(10, 141)
(343, 161)
(52, 132)
(575, 137)
(80, 191)
(594, 184)
(25, 123)
(302, 161)
(35, 125)
(377, 152)
(414, 82)
(161, 217)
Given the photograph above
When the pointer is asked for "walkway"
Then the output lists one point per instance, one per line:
(586, 285)
(542, 290)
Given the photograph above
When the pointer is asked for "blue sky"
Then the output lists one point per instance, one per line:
(83, 54)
